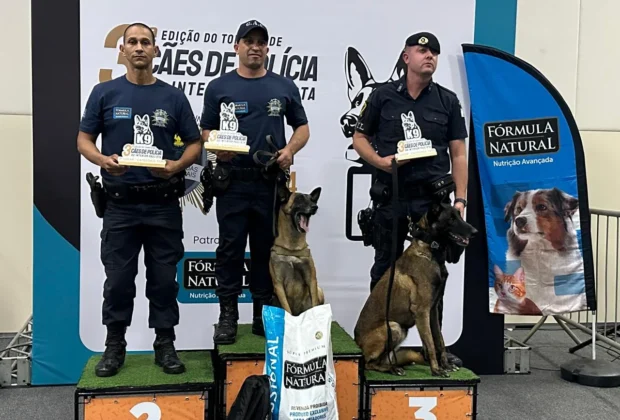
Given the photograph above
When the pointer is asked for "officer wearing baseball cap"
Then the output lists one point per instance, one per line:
(429, 110)
(264, 103)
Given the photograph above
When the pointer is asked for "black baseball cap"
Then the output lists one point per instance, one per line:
(424, 39)
(246, 27)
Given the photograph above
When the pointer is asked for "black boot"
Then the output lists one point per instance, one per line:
(226, 328)
(165, 353)
(257, 319)
(114, 355)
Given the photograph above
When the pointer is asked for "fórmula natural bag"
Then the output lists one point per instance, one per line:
(299, 363)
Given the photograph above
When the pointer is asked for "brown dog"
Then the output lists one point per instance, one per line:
(291, 264)
(419, 283)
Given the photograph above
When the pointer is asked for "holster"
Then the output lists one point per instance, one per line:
(441, 188)
(380, 193)
(221, 179)
(97, 194)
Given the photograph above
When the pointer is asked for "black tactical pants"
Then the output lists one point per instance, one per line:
(382, 241)
(127, 228)
(245, 208)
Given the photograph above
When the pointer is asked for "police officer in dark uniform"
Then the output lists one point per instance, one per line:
(142, 208)
(244, 190)
(438, 115)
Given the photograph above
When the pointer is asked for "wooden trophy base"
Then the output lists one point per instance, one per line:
(227, 148)
(405, 156)
(143, 164)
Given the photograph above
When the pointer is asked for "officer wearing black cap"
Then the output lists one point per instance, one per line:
(438, 115)
(140, 206)
(264, 102)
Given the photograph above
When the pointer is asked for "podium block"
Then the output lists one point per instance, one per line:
(142, 389)
(246, 357)
(418, 395)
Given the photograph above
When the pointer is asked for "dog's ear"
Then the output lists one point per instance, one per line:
(315, 194)
(510, 206)
(565, 203)
(284, 193)
(357, 72)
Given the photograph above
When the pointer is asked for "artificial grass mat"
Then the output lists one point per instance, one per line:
(140, 370)
(248, 343)
(422, 373)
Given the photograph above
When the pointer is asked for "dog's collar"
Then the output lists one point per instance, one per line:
(426, 238)
(280, 250)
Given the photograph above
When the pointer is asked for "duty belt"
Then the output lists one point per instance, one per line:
(245, 174)
(163, 191)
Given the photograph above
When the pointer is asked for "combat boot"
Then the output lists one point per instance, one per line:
(226, 328)
(113, 357)
(165, 354)
(257, 318)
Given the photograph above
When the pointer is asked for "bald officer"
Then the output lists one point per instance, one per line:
(437, 113)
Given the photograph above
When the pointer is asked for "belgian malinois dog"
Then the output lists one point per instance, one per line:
(419, 283)
(291, 265)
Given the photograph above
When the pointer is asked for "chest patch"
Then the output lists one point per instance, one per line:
(274, 108)
(160, 118)
(241, 107)
(121, 113)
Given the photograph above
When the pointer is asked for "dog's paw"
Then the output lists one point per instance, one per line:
(440, 372)
(397, 370)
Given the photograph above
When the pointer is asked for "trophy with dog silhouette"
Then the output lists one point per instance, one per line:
(142, 151)
(227, 138)
(414, 146)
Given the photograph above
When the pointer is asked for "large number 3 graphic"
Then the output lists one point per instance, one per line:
(152, 411)
(426, 404)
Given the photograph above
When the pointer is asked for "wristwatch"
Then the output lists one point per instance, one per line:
(461, 200)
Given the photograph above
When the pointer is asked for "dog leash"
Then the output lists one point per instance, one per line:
(390, 341)
(272, 156)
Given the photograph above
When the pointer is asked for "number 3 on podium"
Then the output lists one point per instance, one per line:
(151, 409)
(426, 404)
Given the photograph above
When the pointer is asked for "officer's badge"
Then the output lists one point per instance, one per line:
(160, 118)
(423, 40)
(177, 141)
(274, 108)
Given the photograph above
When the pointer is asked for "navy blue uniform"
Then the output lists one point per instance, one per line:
(142, 210)
(262, 106)
(438, 115)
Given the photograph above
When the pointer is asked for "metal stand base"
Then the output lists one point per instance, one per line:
(596, 373)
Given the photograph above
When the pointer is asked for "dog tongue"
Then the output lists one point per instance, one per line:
(303, 223)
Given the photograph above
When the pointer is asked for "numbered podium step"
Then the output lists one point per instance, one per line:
(419, 395)
(246, 357)
(141, 390)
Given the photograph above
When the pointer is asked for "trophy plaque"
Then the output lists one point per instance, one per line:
(414, 146)
(227, 138)
(142, 152)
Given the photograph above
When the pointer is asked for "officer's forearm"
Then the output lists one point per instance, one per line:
(86, 147)
(190, 155)
(361, 144)
(459, 173)
(298, 139)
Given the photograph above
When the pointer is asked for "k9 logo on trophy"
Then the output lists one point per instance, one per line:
(142, 152)
(228, 137)
(414, 146)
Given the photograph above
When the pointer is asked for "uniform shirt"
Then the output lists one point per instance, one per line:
(261, 104)
(118, 110)
(436, 112)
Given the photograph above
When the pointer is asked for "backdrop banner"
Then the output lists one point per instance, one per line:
(335, 61)
(534, 189)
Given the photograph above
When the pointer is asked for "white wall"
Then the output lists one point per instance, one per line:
(575, 50)
(16, 166)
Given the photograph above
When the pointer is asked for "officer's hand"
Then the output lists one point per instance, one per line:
(225, 156)
(285, 158)
(110, 164)
(460, 207)
(385, 163)
(171, 168)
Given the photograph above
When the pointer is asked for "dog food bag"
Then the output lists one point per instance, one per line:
(299, 364)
